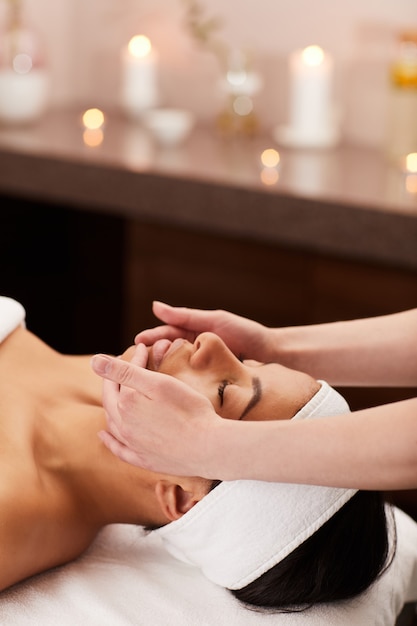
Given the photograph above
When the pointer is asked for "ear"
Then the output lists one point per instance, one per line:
(174, 500)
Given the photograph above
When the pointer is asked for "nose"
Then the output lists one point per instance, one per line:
(209, 350)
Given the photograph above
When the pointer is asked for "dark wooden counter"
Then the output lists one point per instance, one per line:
(347, 202)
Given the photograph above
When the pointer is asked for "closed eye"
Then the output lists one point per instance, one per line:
(221, 389)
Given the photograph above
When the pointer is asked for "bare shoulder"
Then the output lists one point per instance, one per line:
(16, 517)
(36, 533)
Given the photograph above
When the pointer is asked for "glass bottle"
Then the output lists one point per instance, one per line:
(241, 83)
(402, 114)
(23, 74)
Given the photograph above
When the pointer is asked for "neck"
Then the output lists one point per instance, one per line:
(101, 488)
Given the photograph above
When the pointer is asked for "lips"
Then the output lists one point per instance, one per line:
(159, 349)
(162, 348)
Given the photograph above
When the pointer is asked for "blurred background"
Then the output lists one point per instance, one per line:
(83, 40)
(198, 176)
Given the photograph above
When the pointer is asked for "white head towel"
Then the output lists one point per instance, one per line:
(241, 529)
(12, 314)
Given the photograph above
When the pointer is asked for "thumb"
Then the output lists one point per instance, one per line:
(153, 385)
(115, 369)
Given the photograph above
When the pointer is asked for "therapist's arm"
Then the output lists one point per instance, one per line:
(377, 351)
(369, 449)
(158, 422)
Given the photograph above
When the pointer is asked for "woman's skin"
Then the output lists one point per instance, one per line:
(59, 484)
(369, 449)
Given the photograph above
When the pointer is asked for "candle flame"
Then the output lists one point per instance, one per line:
(313, 55)
(139, 46)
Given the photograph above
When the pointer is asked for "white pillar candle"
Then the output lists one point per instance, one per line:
(313, 120)
(311, 72)
(23, 97)
(139, 76)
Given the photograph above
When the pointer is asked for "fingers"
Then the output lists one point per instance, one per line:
(196, 320)
(151, 335)
(148, 384)
(140, 356)
(111, 394)
(179, 322)
(122, 372)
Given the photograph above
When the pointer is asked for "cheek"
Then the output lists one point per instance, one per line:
(198, 382)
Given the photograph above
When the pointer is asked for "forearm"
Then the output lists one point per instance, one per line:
(379, 351)
(370, 449)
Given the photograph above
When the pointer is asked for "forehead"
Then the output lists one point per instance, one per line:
(284, 392)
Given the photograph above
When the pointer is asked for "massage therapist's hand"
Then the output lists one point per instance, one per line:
(154, 420)
(245, 338)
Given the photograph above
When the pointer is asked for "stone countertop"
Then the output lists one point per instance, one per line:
(346, 201)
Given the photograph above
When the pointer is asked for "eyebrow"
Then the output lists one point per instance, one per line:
(256, 396)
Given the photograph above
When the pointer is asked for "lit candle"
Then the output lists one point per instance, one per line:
(311, 111)
(139, 80)
(310, 97)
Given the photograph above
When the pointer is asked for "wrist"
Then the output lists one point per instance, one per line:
(284, 346)
(234, 449)
(221, 449)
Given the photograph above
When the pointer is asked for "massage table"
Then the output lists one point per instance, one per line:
(128, 579)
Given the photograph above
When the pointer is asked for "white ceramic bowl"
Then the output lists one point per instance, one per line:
(169, 126)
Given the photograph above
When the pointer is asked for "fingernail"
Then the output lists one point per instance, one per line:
(101, 363)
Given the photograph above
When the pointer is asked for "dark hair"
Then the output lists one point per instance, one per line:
(341, 560)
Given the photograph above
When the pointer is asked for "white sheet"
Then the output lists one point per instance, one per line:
(127, 579)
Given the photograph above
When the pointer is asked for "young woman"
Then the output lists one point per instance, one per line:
(59, 485)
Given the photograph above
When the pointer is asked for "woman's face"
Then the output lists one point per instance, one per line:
(246, 390)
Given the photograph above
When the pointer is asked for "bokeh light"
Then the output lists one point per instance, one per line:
(93, 119)
(269, 175)
(270, 157)
(411, 162)
(22, 63)
(93, 137)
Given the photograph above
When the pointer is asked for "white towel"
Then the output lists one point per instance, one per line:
(242, 528)
(12, 314)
